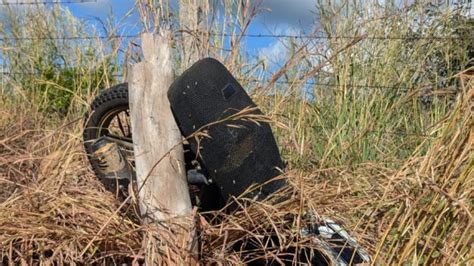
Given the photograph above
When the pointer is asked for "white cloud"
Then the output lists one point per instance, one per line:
(276, 52)
(100, 6)
(470, 10)
(273, 53)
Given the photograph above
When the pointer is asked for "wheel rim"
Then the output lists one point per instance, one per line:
(116, 125)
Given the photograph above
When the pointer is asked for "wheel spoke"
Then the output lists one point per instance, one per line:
(129, 126)
(120, 125)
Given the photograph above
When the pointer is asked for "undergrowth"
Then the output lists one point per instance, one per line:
(378, 133)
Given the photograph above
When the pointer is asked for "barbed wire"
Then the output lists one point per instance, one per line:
(92, 37)
(296, 36)
(7, 73)
(396, 133)
(253, 80)
(65, 38)
(322, 84)
(46, 2)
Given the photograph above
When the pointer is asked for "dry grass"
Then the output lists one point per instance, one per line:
(53, 209)
(52, 205)
(393, 165)
(432, 220)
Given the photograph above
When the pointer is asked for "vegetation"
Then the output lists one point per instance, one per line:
(374, 118)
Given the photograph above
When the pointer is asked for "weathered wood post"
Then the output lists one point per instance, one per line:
(159, 158)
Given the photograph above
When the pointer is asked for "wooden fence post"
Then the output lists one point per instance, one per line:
(159, 158)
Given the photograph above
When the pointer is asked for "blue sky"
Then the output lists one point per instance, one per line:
(285, 17)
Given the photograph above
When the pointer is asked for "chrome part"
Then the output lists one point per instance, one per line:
(112, 163)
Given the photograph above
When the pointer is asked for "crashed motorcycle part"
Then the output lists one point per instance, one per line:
(196, 178)
(237, 153)
(336, 242)
(109, 118)
(112, 165)
(102, 121)
(326, 243)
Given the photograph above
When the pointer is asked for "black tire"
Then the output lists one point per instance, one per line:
(108, 102)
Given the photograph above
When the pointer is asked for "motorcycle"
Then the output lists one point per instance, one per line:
(228, 163)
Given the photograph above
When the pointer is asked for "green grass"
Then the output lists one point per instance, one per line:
(393, 160)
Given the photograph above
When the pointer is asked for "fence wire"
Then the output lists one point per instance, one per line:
(128, 36)
(31, 3)
(250, 80)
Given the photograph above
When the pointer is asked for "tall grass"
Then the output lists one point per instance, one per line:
(378, 135)
(406, 93)
(54, 70)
